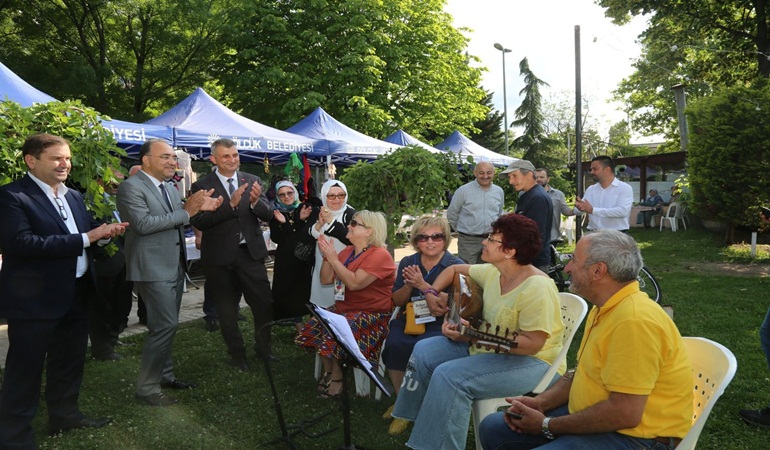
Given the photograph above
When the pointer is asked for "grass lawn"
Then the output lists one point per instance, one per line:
(716, 293)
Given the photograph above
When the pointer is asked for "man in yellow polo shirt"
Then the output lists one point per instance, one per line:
(632, 387)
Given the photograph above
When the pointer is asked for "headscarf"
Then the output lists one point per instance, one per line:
(325, 190)
(281, 206)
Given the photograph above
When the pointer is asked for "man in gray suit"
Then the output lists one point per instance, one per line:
(233, 251)
(156, 260)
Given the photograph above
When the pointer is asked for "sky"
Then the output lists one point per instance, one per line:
(543, 31)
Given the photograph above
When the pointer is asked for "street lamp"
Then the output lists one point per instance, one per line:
(505, 95)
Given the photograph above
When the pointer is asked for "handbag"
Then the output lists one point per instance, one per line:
(304, 252)
(411, 327)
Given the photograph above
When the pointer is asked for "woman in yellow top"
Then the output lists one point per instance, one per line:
(444, 376)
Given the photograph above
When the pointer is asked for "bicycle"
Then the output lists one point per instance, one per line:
(647, 282)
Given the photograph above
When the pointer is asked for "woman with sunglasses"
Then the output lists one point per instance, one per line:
(291, 276)
(331, 221)
(430, 237)
(362, 277)
(444, 376)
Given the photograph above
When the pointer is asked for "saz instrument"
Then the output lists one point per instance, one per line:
(466, 301)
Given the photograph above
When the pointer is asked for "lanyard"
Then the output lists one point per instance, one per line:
(352, 257)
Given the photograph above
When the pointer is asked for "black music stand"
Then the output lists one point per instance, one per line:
(339, 329)
(289, 431)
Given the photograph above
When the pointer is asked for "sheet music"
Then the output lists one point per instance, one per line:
(340, 328)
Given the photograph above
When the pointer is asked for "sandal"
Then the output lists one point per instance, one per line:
(326, 395)
(323, 383)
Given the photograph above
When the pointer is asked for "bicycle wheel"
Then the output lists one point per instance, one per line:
(649, 285)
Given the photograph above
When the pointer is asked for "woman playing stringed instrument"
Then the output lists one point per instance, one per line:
(444, 376)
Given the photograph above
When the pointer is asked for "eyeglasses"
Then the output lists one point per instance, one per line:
(354, 223)
(166, 157)
(60, 204)
(337, 196)
(489, 238)
(437, 237)
(286, 194)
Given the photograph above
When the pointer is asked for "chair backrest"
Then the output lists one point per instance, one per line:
(713, 367)
(680, 209)
(573, 311)
(673, 210)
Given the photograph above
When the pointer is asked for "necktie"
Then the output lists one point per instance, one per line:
(230, 187)
(164, 193)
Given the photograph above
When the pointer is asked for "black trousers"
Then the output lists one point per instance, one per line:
(248, 277)
(59, 346)
(108, 312)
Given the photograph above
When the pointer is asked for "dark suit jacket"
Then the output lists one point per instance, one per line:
(37, 279)
(222, 228)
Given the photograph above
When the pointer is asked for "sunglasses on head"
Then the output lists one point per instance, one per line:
(437, 237)
(354, 223)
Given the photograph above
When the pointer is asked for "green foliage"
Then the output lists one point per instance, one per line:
(410, 180)
(93, 147)
(369, 64)
(729, 155)
(491, 129)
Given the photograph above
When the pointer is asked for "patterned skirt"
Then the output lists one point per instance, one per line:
(369, 329)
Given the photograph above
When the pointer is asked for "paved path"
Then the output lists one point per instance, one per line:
(191, 309)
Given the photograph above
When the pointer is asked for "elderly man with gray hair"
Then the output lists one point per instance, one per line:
(632, 387)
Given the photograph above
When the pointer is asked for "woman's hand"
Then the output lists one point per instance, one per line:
(437, 304)
(452, 331)
(304, 212)
(327, 248)
(279, 216)
(413, 277)
(325, 216)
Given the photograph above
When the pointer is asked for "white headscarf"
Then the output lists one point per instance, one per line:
(325, 190)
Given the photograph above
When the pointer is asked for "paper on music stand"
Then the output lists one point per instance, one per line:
(339, 327)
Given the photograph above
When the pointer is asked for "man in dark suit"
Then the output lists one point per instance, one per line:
(233, 251)
(156, 261)
(47, 237)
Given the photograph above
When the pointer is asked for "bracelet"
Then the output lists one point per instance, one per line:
(430, 290)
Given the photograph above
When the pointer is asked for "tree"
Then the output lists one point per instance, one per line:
(411, 180)
(94, 150)
(491, 134)
(729, 156)
(706, 44)
(537, 147)
(374, 66)
(127, 58)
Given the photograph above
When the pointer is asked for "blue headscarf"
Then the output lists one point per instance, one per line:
(281, 206)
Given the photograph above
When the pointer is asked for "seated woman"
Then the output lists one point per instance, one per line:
(655, 202)
(363, 275)
(430, 237)
(444, 376)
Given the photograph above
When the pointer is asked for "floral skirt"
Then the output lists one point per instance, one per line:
(369, 329)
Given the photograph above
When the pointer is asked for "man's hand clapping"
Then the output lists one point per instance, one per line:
(202, 201)
(106, 231)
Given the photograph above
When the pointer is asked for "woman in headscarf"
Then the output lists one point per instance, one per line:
(332, 222)
(291, 275)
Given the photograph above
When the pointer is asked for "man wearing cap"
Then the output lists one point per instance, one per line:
(608, 202)
(543, 177)
(534, 203)
(473, 208)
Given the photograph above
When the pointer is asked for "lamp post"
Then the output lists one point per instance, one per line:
(505, 95)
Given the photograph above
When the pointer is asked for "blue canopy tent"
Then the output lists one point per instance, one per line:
(127, 134)
(199, 120)
(458, 143)
(401, 137)
(344, 144)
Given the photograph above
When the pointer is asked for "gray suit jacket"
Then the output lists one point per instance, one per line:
(155, 235)
(222, 228)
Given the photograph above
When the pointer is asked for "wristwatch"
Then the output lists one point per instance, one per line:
(546, 431)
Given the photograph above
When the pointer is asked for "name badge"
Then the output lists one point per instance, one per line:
(421, 311)
(339, 290)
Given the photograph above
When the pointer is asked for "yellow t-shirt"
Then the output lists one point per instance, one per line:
(532, 306)
(631, 346)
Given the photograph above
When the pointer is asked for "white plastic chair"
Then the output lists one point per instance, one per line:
(713, 367)
(573, 311)
(678, 216)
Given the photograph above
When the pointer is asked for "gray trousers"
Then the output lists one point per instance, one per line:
(469, 249)
(163, 299)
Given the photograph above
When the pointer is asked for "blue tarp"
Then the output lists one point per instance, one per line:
(457, 143)
(17, 90)
(199, 120)
(338, 140)
(401, 137)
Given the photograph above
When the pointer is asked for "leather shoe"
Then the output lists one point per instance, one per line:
(156, 399)
(270, 357)
(240, 364)
(212, 325)
(177, 384)
(112, 356)
(85, 422)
